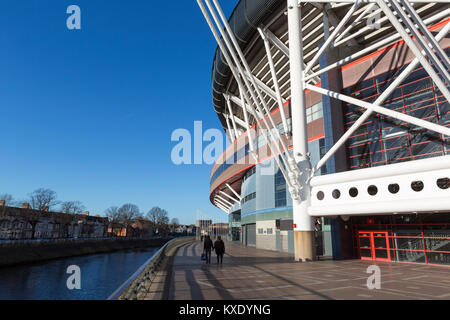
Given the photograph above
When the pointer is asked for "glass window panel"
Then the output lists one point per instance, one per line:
(396, 95)
(417, 74)
(362, 85)
(437, 244)
(366, 93)
(410, 256)
(394, 104)
(420, 112)
(438, 258)
(417, 86)
(397, 155)
(408, 230)
(419, 97)
(314, 108)
(320, 113)
(425, 148)
(398, 141)
(376, 157)
(366, 253)
(365, 148)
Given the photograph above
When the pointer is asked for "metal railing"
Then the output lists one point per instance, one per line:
(72, 240)
(135, 284)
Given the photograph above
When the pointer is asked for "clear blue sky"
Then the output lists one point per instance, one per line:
(90, 113)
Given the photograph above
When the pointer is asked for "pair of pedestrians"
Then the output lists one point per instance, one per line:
(218, 246)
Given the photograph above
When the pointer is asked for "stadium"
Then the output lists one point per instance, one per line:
(338, 118)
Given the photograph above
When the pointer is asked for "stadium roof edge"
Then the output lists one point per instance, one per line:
(244, 20)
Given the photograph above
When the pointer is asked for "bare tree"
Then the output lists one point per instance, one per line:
(65, 221)
(72, 207)
(42, 198)
(159, 218)
(112, 213)
(127, 214)
(9, 199)
(32, 217)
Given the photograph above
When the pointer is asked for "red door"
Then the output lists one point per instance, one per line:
(374, 245)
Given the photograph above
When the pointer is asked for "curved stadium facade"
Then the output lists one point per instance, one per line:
(249, 184)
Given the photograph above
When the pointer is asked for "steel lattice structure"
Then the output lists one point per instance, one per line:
(290, 66)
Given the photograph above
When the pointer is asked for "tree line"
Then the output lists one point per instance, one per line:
(46, 200)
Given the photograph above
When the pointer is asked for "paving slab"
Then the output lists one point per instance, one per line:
(248, 273)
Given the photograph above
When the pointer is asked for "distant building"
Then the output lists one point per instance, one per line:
(142, 228)
(181, 229)
(191, 229)
(220, 229)
(26, 223)
(204, 227)
(139, 228)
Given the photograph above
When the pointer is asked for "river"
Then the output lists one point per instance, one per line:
(101, 275)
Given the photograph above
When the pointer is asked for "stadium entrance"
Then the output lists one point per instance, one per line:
(413, 238)
(374, 246)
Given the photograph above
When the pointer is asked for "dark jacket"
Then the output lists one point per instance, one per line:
(207, 244)
(219, 246)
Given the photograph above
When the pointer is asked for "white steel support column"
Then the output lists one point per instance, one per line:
(228, 47)
(247, 125)
(217, 201)
(304, 229)
(225, 201)
(223, 208)
(379, 101)
(232, 190)
(230, 131)
(230, 197)
(230, 109)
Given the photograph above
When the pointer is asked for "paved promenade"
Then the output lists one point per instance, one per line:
(249, 273)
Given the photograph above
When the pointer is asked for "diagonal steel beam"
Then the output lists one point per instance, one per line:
(410, 43)
(379, 101)
(283, 49)
(230, 197)
(274, 80)
(382, 110)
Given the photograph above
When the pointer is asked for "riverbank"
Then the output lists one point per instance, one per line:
(21, 253)
(152, 280)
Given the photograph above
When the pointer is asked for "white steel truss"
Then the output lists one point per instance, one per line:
(405, 20)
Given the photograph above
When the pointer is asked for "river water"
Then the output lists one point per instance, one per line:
(101, 275)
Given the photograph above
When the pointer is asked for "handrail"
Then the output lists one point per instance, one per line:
(116, 294)
(59, 240)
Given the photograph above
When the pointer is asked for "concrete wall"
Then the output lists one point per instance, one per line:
(21, 253)
(266, 240)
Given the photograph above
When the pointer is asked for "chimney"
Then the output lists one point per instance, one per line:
(86, 213)
(2, 203)
(25, 205)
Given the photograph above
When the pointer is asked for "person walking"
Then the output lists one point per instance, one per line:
(207, 247)
(219, 247)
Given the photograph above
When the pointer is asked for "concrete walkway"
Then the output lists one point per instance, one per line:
(249, 273)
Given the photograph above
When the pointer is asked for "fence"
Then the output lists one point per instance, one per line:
(146, 273)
